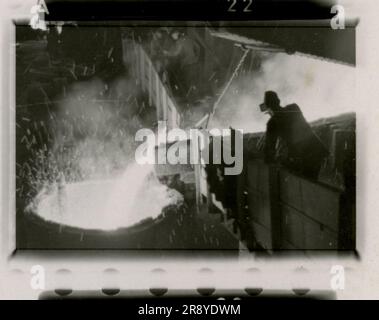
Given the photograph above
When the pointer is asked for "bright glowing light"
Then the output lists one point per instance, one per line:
(107, 204)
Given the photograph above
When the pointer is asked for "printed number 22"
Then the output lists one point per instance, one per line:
(234, 2)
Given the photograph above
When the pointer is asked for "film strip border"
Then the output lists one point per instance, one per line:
(136, 280)
(188, 10)
(66, 280)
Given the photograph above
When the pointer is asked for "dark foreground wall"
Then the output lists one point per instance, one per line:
(175, 229)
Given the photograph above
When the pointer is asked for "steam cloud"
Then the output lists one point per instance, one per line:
(94, 181)
(320, 88)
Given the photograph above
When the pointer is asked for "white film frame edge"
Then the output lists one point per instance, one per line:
(274, 274)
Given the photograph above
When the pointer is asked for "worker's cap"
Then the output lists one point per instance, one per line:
(271, 98)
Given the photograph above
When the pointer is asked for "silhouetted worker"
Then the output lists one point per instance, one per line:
(305, 151)
(156, 50)
(187, 52)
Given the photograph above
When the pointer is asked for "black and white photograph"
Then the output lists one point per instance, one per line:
(86, 95)
(152, 140)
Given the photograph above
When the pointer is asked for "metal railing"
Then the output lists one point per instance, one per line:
(148, 78)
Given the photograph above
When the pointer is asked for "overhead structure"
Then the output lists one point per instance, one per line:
(314, 38)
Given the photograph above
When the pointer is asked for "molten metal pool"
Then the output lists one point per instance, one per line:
(107, 204)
